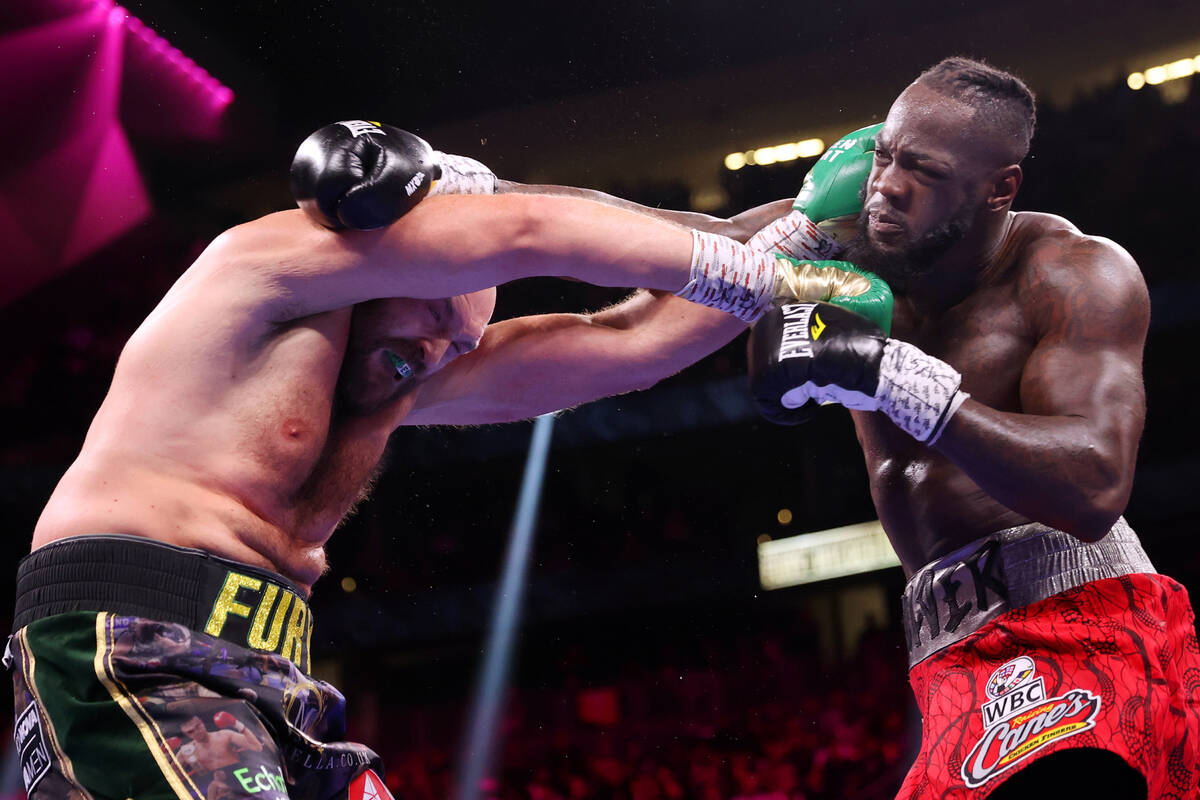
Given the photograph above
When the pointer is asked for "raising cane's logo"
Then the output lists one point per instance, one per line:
(1019, 720)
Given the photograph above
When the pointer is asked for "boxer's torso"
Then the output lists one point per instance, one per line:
(221, 431)
(927, 504)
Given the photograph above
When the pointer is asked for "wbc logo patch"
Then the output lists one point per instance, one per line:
(1019, 720)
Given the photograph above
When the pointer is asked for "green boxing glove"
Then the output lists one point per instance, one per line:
(837, 282)
(825, 214)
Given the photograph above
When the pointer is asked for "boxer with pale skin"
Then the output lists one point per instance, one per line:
(250, 409)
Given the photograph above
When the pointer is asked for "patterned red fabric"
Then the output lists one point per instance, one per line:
(1112, 664)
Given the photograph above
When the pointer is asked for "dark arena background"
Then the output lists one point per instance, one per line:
(667, 645)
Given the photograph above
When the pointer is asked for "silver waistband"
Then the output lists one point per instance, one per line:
(952, 597)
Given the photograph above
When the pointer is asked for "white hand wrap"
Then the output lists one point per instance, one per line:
(797, 236)
(918, 392)
(729, 276)
(463, 175)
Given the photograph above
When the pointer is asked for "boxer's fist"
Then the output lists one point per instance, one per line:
(803, 351)
(825, 213)
(173, 743)
(818, 351)
(838, 282)
(362, 175)
(225, 720)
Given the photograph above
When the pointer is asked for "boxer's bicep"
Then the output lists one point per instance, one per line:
(1087, 362)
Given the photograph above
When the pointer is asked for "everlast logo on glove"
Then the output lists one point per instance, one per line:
(798, 333)
(358, 127)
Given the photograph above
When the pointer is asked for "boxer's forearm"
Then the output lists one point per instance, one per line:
(532, 365)
(1058, 470)
(739, 228)
(453, 245)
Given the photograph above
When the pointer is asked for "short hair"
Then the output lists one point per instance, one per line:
(1002, 101)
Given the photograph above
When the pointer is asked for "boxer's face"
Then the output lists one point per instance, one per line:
(925, 190)
(194, 729)
(396, 343)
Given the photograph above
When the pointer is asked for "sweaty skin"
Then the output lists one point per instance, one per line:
(1045, 324)
(249, 410)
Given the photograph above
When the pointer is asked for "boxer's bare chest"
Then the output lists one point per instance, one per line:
(320, 456)
(926, 503)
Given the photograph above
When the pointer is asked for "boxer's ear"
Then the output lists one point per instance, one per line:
(1003, 187)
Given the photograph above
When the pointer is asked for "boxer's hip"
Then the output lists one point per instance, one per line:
(133, 576)
(139, 663)
(950, 598)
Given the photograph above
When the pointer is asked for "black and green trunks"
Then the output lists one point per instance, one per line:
(144, 671)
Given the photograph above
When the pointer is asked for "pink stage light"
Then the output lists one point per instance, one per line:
(93, 74)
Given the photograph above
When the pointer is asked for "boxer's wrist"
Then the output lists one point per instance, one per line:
(918, 392)
(797, 236)
(729, 276)
(463, 175)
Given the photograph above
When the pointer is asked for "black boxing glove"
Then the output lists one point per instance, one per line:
(362, 175)
(822, 352)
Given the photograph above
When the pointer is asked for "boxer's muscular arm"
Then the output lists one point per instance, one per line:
(448, 246)
(1068, 459)
(532, 365)
(739, 227)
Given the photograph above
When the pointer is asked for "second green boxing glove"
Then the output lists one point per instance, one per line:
(837, 282)
(825, 213)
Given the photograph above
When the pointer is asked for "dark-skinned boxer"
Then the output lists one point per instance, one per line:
(1000, 425)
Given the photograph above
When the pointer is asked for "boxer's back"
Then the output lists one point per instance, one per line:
(219, 432)
(927, 504)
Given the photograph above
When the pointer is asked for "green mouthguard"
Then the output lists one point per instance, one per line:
(402, 367)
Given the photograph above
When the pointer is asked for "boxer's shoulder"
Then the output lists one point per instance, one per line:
(1062, 271)
(1048, 242)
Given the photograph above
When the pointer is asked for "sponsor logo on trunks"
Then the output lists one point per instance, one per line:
(263, 615)
(265, 780)
(1019, 720)
(358, 127)
(368, 786)
(795, 341)
(31, 744)
(1009, 677)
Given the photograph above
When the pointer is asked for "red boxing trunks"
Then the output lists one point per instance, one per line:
(1028, 642)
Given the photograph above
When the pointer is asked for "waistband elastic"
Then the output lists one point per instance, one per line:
(140, 577)
(948, 599)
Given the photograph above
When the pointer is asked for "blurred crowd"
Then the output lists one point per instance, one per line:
(747, 714)
(752, 716)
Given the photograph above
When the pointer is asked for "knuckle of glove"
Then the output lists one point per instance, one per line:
(361, 175)
(814, 350)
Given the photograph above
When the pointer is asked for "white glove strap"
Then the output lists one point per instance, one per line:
(917, 391)
(463, 175)
(797, 236)
(729, 276)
